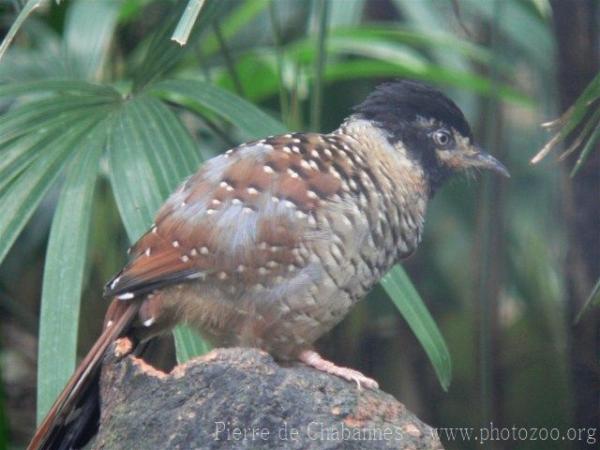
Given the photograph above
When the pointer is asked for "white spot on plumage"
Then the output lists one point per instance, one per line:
(252, 191)
(210, 212)
(315, 154)
(305, 165)
(241, 268)
(216, 201)
(175, 244)
(236, 201)
(154, 229)
(126, 296)
(312, 195)
(292, 173)
(149, 322)
(247, 210)
(286, 149)
(148, 251)
(185, 258)
(313, 164)
(196, 275)
(296, 149)
(263, 271)
(268, 169)
(204, 250)
(301, 215)
(328, 153)
(114, 282)
(222, 275)
(193, 252)
(224, 184)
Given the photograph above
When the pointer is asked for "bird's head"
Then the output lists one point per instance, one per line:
(429, 127)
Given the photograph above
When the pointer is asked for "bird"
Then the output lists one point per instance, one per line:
(270, 244)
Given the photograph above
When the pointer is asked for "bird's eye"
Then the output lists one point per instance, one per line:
(442, 138)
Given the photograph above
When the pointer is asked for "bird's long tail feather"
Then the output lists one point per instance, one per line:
(64, 425)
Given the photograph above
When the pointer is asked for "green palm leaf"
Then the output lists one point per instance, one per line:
(64, 271)
(406, 298)
(20, 199)
(44, 115)
(89, 29)
(201, 96)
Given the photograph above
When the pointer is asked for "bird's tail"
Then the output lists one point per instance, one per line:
(72, 419)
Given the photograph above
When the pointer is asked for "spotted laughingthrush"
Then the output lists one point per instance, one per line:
(270, 244)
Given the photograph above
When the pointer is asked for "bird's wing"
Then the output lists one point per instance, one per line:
(244, 213)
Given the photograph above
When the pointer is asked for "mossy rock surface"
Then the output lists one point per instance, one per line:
(242, 399)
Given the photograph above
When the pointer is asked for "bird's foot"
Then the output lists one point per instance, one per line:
(313, 359)
(123, 347)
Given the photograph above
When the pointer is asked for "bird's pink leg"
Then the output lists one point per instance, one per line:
(313, 359)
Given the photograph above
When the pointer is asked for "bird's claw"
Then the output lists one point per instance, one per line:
(313, 359)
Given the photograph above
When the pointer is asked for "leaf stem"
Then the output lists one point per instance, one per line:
(277, 40)
(186, 23)
(319, 22)
(229, 62)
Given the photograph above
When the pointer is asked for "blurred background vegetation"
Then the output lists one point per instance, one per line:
(505, 266)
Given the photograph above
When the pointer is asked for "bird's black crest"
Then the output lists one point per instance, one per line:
(394, 105)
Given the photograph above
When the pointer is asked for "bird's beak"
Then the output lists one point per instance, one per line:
(483, 160)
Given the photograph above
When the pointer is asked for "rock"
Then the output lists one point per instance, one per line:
(242, 399)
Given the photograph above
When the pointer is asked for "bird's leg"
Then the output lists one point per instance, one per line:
(313, 359)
